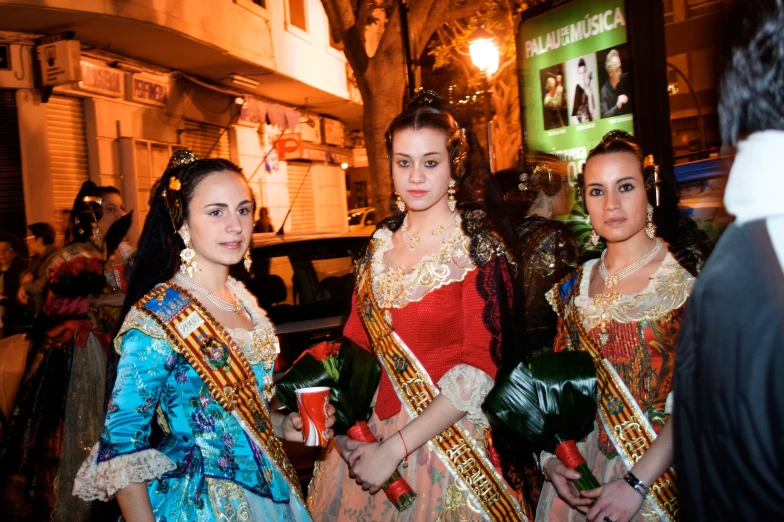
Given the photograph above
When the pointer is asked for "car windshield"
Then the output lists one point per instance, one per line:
(354, 218)
(306, 281)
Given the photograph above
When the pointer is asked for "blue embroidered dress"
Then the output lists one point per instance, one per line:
(206, 467)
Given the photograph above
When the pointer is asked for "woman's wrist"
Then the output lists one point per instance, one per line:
(277, 423)
(396, 446)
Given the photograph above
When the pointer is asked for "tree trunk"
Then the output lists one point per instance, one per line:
(382, 89)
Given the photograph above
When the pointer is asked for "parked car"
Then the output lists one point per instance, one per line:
(362, 220)
(305, 283)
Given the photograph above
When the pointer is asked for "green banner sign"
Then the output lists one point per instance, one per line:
(575, 80)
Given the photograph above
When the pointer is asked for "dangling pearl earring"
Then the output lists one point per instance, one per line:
(188, 257)
(401, 206)
(451, 202)
(551, 200)
(650, 228)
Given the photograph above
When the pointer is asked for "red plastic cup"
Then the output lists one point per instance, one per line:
(313, 404)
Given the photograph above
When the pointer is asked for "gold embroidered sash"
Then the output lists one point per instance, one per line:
(194, 333)
(624, 421)
(416, 391)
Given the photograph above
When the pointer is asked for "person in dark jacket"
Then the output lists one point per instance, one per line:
(729, 393)
(11, 267)
(41, 247)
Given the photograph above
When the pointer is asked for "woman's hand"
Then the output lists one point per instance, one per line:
(562, 478)
(115, 299)
(346, 445)
(291, 426)
(372, 464)
(615, 500)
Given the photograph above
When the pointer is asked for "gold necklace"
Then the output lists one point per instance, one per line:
(413, 241)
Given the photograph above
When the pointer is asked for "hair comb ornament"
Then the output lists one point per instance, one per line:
(617, 134)
(171, 193)
(653, 177)
(181, 158)
(457, 145)
(425, 97)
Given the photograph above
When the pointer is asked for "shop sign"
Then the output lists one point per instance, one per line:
(149, 90)
(291, 147)
(101, 79)
(60, 62)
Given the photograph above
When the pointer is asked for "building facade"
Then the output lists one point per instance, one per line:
(135, 80)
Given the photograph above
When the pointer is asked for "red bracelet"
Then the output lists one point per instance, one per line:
(405, 459)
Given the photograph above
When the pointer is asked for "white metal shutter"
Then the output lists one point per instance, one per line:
(303, 211)
(12, 209)
(205, 140)
(67, 149)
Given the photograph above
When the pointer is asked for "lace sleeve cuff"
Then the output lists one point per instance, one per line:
(100, 481)
(466, 388)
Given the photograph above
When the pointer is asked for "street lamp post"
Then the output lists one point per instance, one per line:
(484, 55)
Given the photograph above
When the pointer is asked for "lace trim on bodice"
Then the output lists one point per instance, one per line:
(393, 287)
(668, 289)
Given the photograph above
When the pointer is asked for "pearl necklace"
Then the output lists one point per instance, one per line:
(226, 306)
(415, 240)
(610, 280)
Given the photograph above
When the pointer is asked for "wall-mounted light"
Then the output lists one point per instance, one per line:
(243, 81)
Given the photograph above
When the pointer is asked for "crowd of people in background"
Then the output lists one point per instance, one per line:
(470, 276)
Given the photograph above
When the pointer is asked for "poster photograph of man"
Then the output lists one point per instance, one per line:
(616, 85)
(583, 93)
(554, 103)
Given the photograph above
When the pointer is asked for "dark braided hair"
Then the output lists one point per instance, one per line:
(479, 199)
(87, 209)
(542, 173)
(158, 256)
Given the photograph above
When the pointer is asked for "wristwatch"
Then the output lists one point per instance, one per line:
(636, 484)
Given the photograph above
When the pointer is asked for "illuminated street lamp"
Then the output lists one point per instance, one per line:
(485, 56)
(484, 51)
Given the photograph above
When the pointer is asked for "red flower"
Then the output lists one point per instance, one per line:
(324, 350)
(321, 351)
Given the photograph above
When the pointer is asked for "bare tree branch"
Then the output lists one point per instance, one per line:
(464, 11)
(427, 16)
(341, 17)
(459, 60)
(391, 40)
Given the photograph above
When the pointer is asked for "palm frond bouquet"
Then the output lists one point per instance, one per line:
(353, 374)
(551, 403)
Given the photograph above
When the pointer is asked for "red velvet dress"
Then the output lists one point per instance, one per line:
(448, 312)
